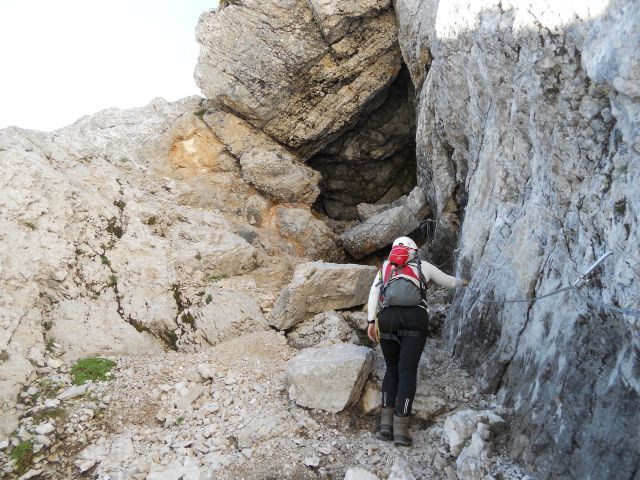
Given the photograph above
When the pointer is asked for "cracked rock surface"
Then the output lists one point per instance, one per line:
(528, 151)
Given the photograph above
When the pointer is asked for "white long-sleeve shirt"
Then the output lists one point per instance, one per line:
(430, 272)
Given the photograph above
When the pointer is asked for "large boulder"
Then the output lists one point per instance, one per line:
(317, 287)
(379, 231)
(414, 201)
(279, 174)
(329, 378)
(270, 63)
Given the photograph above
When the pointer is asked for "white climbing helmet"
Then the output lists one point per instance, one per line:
(406, 241)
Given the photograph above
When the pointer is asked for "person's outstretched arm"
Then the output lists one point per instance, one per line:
(438, 276)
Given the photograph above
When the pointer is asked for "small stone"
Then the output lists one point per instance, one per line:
(313, 462)
(31, 391)
(73, 392)
(54, 363)
(45, 428)
(325, 450)
(4, 444)
(30, 474)
(42, 440)
(51, 402)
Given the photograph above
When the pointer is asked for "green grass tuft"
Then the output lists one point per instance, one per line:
(215, 277)
(92, 368)
(23, 456)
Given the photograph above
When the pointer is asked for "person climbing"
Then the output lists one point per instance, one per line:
(399, 291)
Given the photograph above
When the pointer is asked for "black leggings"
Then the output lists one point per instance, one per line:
(399, 384)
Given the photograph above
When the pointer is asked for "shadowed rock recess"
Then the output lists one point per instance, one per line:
(201, 245)
(528, 147)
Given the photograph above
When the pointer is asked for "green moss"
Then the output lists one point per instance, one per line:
(152, 221)
(620, 207)
(189, 320)
(170, 338)
(180, 420)
(113, 280)
(4, 356)
(200, 112)
(208, 299)
(50, 342)
(215, 277)
(23, 456)
(92, 368)
(30, 225)
(114, 229)
(104, 260)
(120, 204)
(49, 413)
(198, 256)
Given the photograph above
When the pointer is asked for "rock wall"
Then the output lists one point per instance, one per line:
(528, 147)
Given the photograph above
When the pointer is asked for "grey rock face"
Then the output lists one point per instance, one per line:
(527, 150)
(318, 287)
(269, 63)
(329, 378)
(379, 231)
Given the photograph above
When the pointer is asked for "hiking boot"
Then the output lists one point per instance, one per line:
(386, 424)
(401, 437)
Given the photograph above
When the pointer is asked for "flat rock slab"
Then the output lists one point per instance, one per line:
(318, 287)
(329, 378)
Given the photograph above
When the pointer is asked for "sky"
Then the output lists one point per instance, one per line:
(62, 59)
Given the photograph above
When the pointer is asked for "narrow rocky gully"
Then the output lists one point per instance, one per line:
(184, 284)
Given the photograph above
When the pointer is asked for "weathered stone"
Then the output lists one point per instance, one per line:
(228, 314)
(320, 328)
(188, 469)
(416, 202)
(259, 429)
(400, 470)
(357, 473)
(516, 105)
(336, 18)
(370, 402)
(186, 395)
(311, 235)
(298, 89)
(318, 287)
(73, 392)
(329, 378)
(428, 407)
(45, 428)
(379, 231)
(281, 175)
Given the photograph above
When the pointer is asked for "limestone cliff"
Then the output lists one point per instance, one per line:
(528, 147)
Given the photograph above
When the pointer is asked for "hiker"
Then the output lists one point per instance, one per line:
(399, 291)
